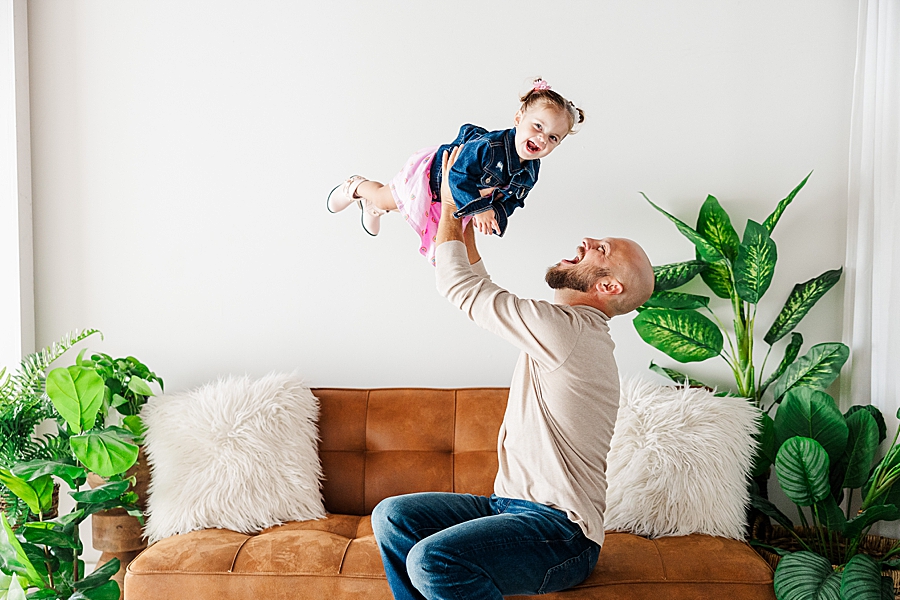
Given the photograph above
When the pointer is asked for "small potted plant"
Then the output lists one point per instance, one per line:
(41, 557)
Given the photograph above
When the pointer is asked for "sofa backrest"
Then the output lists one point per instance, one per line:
(384, 442)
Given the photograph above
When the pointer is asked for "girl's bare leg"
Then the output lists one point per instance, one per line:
(377, 193)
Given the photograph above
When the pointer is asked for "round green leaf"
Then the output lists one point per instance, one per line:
(816, 369)
(811, 413)
(755, 263)
(806, 576)
(685, 335)
(802, 469)
(104, 452)
(862, 579)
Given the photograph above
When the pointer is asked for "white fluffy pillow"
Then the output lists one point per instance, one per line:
(236, 454)
(678, 462)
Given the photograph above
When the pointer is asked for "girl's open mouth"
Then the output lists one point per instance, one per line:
(532, 147)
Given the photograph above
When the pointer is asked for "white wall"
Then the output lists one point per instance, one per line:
(182, 153)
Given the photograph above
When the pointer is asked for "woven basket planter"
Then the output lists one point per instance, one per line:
(779, 537)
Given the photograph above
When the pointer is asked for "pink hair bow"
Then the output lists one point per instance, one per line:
(540, 85)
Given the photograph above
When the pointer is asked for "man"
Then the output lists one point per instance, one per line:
(542, 529)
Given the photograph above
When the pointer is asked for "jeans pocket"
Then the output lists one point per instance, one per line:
(571, 572)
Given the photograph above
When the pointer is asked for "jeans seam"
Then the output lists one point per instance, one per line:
(565, 564)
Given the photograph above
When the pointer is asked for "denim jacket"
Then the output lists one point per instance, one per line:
(487, 159)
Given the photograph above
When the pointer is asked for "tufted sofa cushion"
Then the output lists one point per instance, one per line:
(379, 443)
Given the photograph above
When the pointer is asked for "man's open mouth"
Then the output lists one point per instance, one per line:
(532, 147)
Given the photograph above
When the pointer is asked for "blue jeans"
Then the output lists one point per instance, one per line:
(464, 547)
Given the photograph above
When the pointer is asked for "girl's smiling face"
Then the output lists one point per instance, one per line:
(539, 130)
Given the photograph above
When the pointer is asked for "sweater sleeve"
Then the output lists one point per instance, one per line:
(546, 332)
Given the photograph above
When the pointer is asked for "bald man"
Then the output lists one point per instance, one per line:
(542, 529)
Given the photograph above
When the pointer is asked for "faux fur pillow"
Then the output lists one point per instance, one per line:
(678, 462)
(236, 454)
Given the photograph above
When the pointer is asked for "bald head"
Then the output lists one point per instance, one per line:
(612, 274)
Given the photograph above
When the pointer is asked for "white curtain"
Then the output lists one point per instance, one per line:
(872, 284)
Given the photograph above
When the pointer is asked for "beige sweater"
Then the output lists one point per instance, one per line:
(563, 398)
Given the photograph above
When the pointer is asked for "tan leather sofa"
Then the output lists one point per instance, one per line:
(382, 442)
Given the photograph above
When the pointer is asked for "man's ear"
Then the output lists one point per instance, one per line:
(608, 286)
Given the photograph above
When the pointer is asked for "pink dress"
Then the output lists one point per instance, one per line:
(412, 193)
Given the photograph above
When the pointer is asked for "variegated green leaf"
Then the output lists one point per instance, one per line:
(817, 369)
(673, 275)
(755, 263)
(772, 219)
(790, 355)
(806, 576)
(676, 300)
(861, 579)
(676, 376)
(718, 277)
(802, 469)
(714, 225)
(802, 298)
(685, 335)
(707, 251)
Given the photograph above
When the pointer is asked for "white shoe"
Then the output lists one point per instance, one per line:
(371, 216)
(344, 194)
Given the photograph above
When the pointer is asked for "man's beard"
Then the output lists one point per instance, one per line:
(581, 280)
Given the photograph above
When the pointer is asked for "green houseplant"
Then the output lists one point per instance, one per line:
(23, 406)
(822, 458)
(738, 270)
(42, 556)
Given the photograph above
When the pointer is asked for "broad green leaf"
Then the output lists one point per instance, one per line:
(10, 543)
(73, 476)
(104, 452)
(22, 489)
(766, 449)
(830, 514)
(790, 355)
(676, 376)
(135, 425)
(100, 576)
(766, 507)
(755, 263)
(49, 537)
(707, 251)
(685, 335)
(861, 579)
(676, 300)
(806, 576)
(714, 225)
(816, 369)
(718, 278)
(861, 447)
(858, 524)
(139, 386)
(77, 394)
(887, 588)
(802, 469)
(772, 219)
(802, 298)
(675, 275)
(117, 400)
(107, 591)
(102, 493)
(812, 414)
(876, 414)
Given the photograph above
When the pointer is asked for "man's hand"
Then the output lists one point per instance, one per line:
(487, 222)
(449, 227)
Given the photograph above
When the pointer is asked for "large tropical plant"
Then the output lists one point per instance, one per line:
(822, 459)
(42, 556)
(738, 270)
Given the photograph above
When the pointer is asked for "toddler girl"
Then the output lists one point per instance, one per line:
(492, 176)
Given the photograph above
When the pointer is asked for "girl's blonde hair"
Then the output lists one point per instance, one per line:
(540, 93)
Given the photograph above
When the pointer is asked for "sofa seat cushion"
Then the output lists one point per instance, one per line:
(336, 557)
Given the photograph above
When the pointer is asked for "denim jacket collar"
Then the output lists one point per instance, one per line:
(514, 163)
